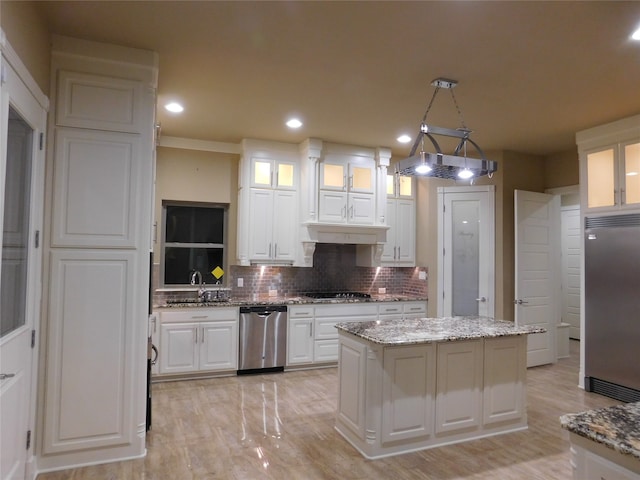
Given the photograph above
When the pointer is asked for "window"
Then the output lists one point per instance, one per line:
(194, 239)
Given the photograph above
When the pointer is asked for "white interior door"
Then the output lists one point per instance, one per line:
(537, 271)
(466, 267)
(22, 120)
(571, 248)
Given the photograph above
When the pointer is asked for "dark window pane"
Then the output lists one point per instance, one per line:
(194, 225)
(180, 262)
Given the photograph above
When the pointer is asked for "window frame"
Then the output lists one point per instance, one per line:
(163, 242)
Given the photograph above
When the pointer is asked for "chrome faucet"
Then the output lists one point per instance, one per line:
(196, 278)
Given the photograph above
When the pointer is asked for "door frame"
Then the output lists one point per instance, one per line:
(488, 232)
(19, 89)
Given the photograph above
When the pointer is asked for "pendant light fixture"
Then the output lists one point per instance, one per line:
(439, 164)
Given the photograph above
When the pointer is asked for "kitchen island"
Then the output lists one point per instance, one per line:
(605, 443)
(407, 385)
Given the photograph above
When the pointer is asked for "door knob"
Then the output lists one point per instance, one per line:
(519, 302)
(6, 375)
(481, 299)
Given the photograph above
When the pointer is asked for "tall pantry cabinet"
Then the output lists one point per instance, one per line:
(99, 191)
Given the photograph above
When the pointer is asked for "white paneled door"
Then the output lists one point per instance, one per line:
(537, 271)
(571, 251)
(22, 119)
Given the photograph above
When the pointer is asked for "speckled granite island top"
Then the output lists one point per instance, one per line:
(427, 330)
(616, 427)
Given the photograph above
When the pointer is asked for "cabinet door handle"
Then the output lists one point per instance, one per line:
(269, 250)
(196, 335)
(351, 182)
(394, 253)
(623, 197)
(351, 211)
(275, 251)
(311, 329)
(344, 182)
(398, 253)
(198, 316)
(202, 336)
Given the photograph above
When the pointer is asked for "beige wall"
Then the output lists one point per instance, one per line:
(196, 176)
(561, 169)
(29, 36)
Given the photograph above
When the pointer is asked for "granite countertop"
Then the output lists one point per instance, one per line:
(616, 427)
(293, 300)
(428, 330)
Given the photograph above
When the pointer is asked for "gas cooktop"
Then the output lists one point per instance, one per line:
(337, 295)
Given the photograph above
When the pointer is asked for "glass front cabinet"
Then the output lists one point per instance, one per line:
(610, 166)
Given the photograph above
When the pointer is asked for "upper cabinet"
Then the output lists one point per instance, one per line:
(268, 220)
(610, 165)
(346, 189)
(274, 173)
(400, 247)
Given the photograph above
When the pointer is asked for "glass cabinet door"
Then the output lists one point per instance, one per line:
(261, 173)
(332, 176)
(601, 178)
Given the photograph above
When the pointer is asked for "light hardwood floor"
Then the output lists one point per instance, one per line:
(280, 426)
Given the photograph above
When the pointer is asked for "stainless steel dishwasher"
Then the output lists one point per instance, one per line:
(263, 339)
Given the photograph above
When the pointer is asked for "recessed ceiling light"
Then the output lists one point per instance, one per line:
(174, 107)
(294, 123)
(636, 35)
(404, 138)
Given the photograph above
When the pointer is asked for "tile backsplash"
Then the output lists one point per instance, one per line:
(334, 269)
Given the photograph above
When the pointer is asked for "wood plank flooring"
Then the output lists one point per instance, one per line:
(280, 426)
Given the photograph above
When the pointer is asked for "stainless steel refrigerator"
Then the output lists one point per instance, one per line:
(612, 306)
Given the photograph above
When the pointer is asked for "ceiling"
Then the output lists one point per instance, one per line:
(530, 74)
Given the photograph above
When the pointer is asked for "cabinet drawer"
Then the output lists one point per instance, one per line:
(390, 308)
(415, 307)
(305, 311)
(198, 315)
(347, 310)
(326, 328)
(325, 351)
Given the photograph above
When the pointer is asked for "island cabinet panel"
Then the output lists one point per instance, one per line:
(408, 389)
(504, 361)
(459, 388)
(351, 372)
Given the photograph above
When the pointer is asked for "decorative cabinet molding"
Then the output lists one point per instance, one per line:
(610, 166)
(96, 189)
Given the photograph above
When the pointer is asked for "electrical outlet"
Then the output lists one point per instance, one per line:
(273, 293)
(240, 282)
(422, 275)
(382, 290)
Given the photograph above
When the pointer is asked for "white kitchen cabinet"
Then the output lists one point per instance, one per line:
(459, 387)
(96, 252)
(408, 392)
(273, 173)
(402, 310)
(198, 341)
(312, 336)
(268, 210)
(593, 460)
(610, 166)
(325, 332)
(504, 379)
(400, 248)
(273, 223)
(300, 341)
(346, 190)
